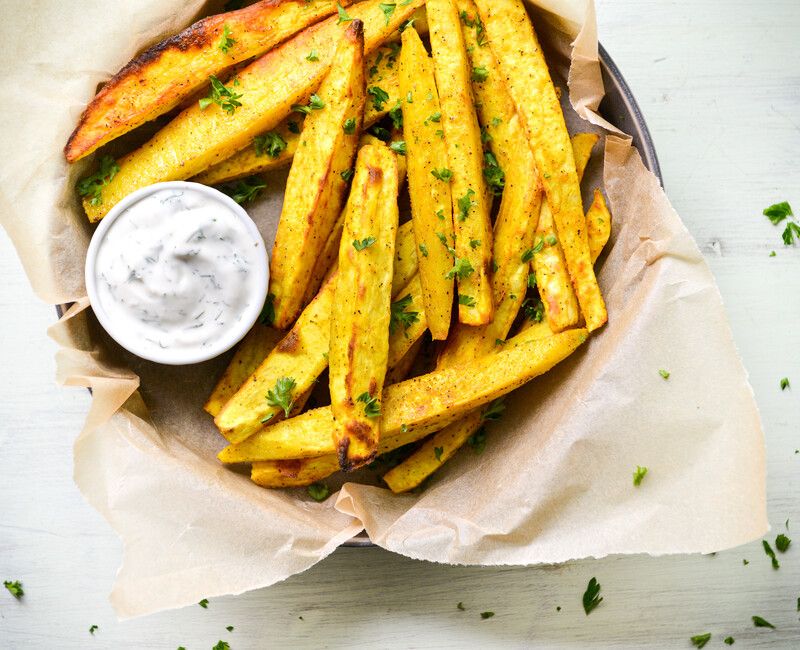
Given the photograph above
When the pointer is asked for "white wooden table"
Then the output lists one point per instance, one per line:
(719, 83)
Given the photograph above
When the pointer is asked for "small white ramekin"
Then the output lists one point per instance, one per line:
(257, 290)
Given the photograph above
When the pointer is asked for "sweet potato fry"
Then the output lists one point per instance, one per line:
(519, 208)
(471, 201)
(417, 406)
(382, 71)
(268, 88)
(329, 254)
(431, 202)
(359, 348)
(548, 263)
(253, 349)
(598, 223)
(165, 74)
(315, 189)
(301, 355)
(514, 43)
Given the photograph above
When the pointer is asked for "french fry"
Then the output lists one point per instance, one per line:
(598, 224)
(431, 202)
(382, 70)
(162, 76)
(417, 406)
(301, 355)
(519, 208)
(548, 263)
(269, 87)
(315, 189)
(359, 346)
(514, 43)
(327, 258)
(252, 350)
(471, 201)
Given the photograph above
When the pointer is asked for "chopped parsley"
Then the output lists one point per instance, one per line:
(664, 373)
(638, 475)
(388, 9)
(791, 231)
(245, 190)
(438, 451)
(93, 629)
(267, 315)
(221, 645)
(461, 269)
(409, 98)
(533, 310)
(477, 24)
(771, 554)
(550, 240)
(465, 203)
(349, 126)
(474, 243)
(399, 147)
(531, 280)
(496, 121)
(270, 144)
(396, 115)
(281, 395)
(318, 491)
(527, 255)
(460, 606)
(485, 615)
(424, 250)
(347, 174)
(433, 117)
(343, 17)
(222, 96)
(379, 97)
(92, 186)
(467, 301)
(14, 588)
(785, 383)
(760, 622)
(315, 104)
(226, 43)
(782, 543)
(313, 55)
(399, 315)
(372, 408)
(382, 134)
(204, 603)
(592, 597)
(480, 73)
(485, 135)
(478, 441)
(700, 640)
(729, 640)
(442, 174)
(778, 212)
(229, 628)
(294, 127)
(494, 175)
(495, 409)
(361, 244)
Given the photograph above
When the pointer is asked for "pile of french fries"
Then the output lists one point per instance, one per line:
(348, 96)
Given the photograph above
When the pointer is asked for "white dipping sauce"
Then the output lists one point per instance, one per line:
(175, 271)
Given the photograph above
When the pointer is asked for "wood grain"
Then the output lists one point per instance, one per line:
(718, 83)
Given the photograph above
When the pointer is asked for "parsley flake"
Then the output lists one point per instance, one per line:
(460, 606)
(347, 174)
(465, 203)
(222, 96)
(388, 9)
(485, 615)
(396, 115)
(93, 629)
(281, 395)
(14, 588)
(494, 175)
(221, 645)
(318, 491)
(664, 373)
(438, 451)
(477, 441)
(245, 190)
(399, 147)
(533, 310)
(424, 250)
(92, 186)
(349, 126)
(461, 269)
(267, 315)
(399, 315)
(474, 243)
(372, 408)
(782, 543)
(785, 383)
(467, 301)
(495, 409)
(361, 244)
(791, 231)
(313, 55)
(379, 97)
(592, 597)
(270, 144)
(204, 603)
(294, 127)
(343, 17)
(729, 640)
(771, 554)
(229, 628)
(480, 73)
(442, 174)
(315, 104)
(778, 212)
(700, 640)
(227, 42)
(760, 622)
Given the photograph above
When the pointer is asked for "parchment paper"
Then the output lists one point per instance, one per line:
(555, 480)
